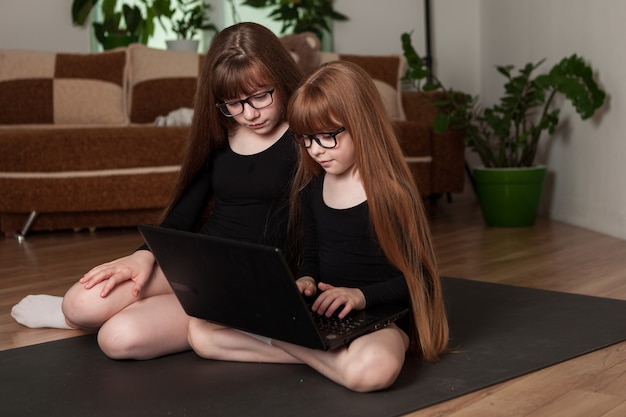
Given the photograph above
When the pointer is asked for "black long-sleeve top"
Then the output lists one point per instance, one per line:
(340, 248)
(250, 193)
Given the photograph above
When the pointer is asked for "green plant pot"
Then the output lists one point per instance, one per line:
(116, 41)
(509, 197)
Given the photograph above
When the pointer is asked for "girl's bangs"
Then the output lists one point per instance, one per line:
(236, 79)
(310, 113)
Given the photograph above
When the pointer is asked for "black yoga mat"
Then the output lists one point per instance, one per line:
(501, 332)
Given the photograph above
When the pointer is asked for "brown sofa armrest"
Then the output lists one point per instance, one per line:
(448, 149)
(448, 162)
(416, 142)
(420, 107)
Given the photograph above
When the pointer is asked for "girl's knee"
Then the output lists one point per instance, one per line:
(374, 370)
(120, 340)
(80, 308)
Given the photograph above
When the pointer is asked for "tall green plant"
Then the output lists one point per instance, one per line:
(507, 134)
(299, 16)
(189, 17)
(128, 22)
(133, 21)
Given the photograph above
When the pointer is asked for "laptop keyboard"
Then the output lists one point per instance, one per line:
(339, 326)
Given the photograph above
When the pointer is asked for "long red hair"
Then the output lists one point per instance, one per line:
(342, 93)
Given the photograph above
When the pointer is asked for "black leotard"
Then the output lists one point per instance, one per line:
(250, 195)
(340, 249)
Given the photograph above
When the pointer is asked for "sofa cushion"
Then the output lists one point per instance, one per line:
(390, 100)
(38, 87)
(304, 48)
(160, 81)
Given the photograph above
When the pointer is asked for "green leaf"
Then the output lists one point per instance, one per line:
(300, 15)
(441, 122)
(574, 79)
(81, 10)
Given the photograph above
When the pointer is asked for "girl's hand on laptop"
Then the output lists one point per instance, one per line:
(332, 298)
(137, 267)
(306, 285)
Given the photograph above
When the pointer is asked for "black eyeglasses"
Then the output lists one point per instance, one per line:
(256, 101)
(327, 140)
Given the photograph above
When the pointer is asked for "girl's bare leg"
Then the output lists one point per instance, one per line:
(146, 329)
(87, 309)
(371, 362)
(212, 341)
(86, 304)
(143, 327)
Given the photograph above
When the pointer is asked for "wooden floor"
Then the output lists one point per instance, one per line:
(550, 255)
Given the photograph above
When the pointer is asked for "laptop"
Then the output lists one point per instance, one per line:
(251, 288)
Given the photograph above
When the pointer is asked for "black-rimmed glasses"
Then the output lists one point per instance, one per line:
(256, 101)
(326, 140)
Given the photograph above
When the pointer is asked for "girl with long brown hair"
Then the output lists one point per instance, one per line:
(234, 183)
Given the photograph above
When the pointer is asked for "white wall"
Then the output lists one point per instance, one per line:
(585, 159)
(376, 27)
(43, 25)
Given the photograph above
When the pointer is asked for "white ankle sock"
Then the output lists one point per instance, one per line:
(40, 310)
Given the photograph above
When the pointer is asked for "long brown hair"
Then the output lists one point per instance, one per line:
(342, 94)
(241, 58)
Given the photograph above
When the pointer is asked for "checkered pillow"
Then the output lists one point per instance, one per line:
(39, 87)
(160, 81)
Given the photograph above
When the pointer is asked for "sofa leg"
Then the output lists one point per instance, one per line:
(26, 227)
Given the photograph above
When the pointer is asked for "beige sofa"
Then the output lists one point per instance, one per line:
(79, 147)
(78, 144)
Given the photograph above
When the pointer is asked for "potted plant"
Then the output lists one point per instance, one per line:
(121, 27)
(188, 18)
(300, 16)
(506, 135)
